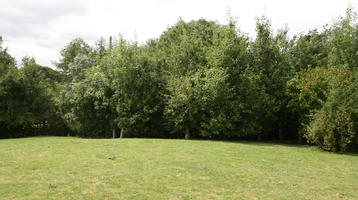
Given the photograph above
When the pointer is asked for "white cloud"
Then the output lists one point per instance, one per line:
(41, 28)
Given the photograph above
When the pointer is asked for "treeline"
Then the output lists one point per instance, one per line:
(199, 79)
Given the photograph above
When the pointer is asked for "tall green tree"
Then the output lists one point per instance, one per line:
(187, 54)
(230, 51)
(89, 103)
(137, 84)
(41, 89)
(76, 100)
(270, 61)
(343, 40)
(200, 102)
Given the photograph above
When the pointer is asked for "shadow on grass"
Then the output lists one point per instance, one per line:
(290, 144)
(346, 153)
(260, 143)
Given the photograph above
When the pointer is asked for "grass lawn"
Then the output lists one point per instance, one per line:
(73, 168)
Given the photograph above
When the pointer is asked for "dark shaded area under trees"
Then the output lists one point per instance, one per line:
(200, 79)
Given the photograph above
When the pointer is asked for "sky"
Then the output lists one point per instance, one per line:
(41, 28)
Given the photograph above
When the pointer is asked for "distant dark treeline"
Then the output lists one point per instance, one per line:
(199, 79)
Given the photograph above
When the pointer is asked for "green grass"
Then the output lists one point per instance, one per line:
(73, 168)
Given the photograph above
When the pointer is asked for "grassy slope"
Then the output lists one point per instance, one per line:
(72, 168)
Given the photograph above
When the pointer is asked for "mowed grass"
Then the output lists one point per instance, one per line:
(74, 168)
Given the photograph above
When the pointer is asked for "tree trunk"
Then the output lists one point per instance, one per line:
(187, 133)
(259, 138)
(114, 132)
(110, 43)
(122, 133)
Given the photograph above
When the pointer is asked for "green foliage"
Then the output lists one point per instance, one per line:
(27, 107)
(192, 52)
(200, 102)
(185, 45)
(89, 102)
(6, 61)
(324, 99)
(84, 101)
(343, 40)
(310, 50)
(77, 48)
(229, 51)
(308, 91)
(270, 61)
(334, 126)
(14, 113)
(138, 85)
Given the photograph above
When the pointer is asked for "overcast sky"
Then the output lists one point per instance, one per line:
(41, 28)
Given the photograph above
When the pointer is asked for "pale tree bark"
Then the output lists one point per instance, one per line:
(110, 43)
(122, 133)
(187, 133)
(114, 132)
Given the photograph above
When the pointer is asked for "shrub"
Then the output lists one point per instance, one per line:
(334, 126)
